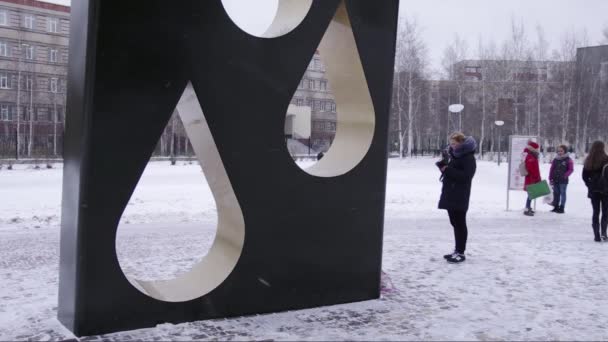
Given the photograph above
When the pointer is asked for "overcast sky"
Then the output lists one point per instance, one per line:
(491, 19)
(440, 19)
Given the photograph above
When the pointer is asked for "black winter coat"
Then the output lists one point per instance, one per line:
(590, 177)
(457, 179)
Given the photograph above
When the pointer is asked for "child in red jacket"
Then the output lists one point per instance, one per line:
(532, 152)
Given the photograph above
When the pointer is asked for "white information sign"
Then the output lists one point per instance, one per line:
(517, 144)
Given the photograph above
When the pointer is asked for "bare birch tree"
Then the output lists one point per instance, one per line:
(515, 50)
(566, 55)
(581, 40)
(541, 49)
(410, 66)
(486, 54)
(455, 52)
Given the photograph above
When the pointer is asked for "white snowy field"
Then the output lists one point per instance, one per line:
(539, 278)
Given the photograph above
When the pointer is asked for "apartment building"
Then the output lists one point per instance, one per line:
(34, 38)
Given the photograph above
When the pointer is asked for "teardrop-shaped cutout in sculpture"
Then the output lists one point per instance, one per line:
(252, 16)
(226, 249)
(355, 115)
(170, 221)
(310, 125)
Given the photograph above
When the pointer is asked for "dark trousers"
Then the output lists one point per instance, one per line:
(599, 203)
(458, 219)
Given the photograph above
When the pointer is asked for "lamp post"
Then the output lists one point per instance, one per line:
(457, 108)
(499, 123)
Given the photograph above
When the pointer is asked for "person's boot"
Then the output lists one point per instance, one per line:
(555, 207)
(596, 233)
(456, 258)
(529, 212)
(604, 235)
(560, 210)
(447, 256)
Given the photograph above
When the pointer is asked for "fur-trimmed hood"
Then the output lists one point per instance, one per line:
(468, 146)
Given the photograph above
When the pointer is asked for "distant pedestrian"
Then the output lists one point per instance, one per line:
(457, 177)
(320, 155)
(532, 168)
(562, 167)
(595, 176)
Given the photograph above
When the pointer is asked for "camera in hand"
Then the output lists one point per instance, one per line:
(445, 159)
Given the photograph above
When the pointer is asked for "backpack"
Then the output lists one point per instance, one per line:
(522, 169)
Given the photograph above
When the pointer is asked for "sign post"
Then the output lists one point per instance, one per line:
(517, 144)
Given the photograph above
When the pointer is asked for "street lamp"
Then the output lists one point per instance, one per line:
(457, 108)
(499, 123)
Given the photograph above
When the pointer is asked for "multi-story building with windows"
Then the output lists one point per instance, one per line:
(34, 38)
(314, 91)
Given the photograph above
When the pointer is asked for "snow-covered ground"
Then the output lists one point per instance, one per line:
(539, 278)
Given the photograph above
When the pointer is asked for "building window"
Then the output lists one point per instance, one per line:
(54, 82)
(4, 81)
(311, 84)
(51, 114)
(3, 18)
(4, 112)
(317, 64)
(299, 102)
(333, 107)
(3, 49)
(43, 114)
(58, 111)
(323, 84)
(29, 51)
(542, 74)
(53, 25)
(29, 21)
(30, 114)
(53, 55)
(29, 83)
(301, 85)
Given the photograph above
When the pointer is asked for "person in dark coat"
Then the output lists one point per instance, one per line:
(532, 151)
(562, 167)
(457, 176)
(595, 164)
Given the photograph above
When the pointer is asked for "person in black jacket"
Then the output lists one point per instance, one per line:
(598, 192)
(457, 176)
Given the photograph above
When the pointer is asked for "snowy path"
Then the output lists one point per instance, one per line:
(540, 278)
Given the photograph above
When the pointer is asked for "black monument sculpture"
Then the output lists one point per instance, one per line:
(287, 238)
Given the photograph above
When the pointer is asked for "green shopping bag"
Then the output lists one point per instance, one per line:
(539, 189)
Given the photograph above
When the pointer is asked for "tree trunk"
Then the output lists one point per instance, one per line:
(172, 144)
(400, 115)
(577, 141)
(483, 117)
(54, 126)
(516, 109)
(410, 114)
(539, 97)
(591, 99)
